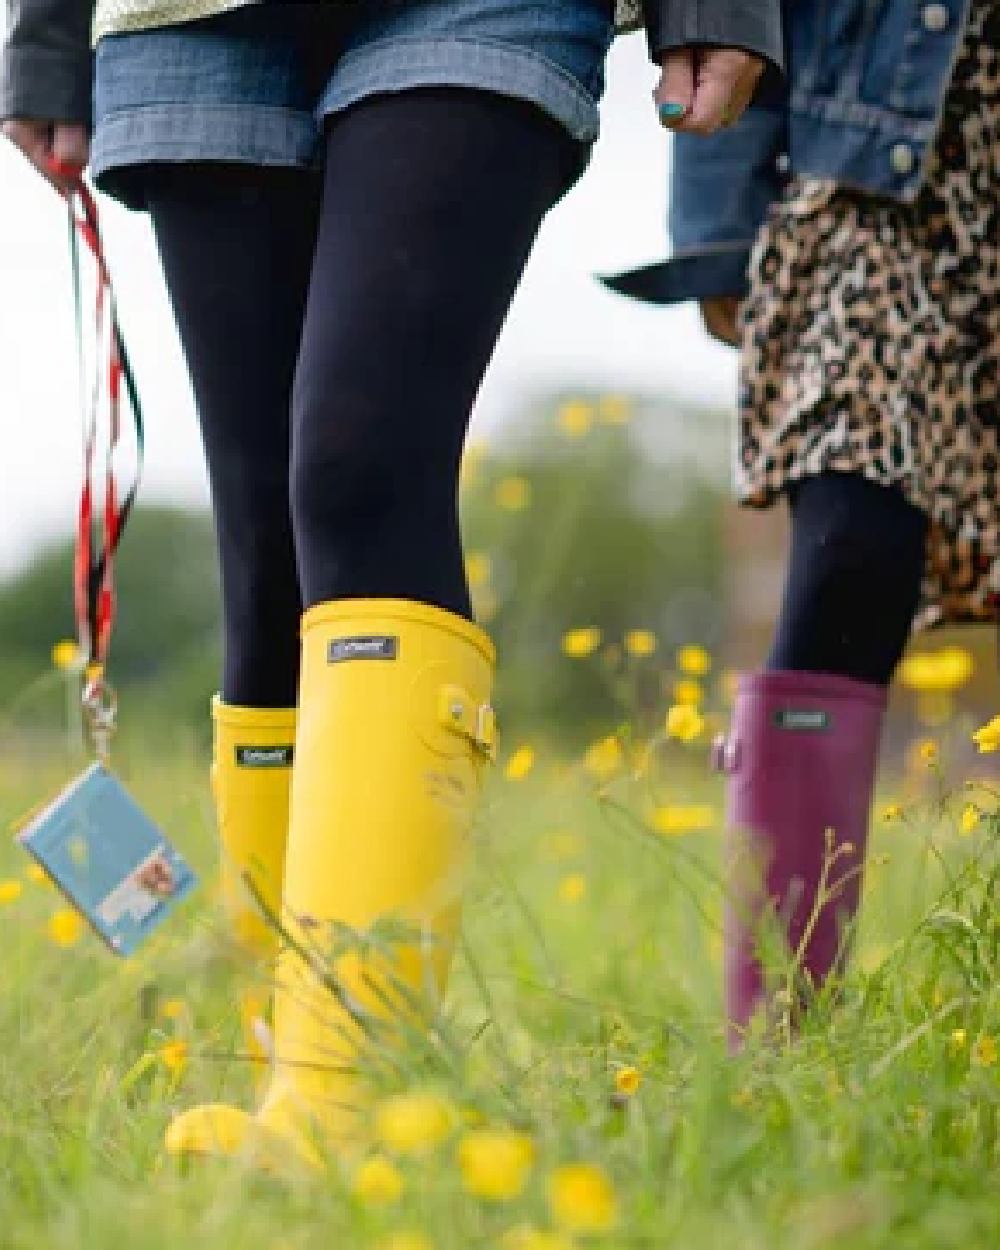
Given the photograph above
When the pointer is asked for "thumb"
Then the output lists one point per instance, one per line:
(674, 94)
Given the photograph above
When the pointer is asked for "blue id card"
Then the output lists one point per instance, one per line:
(109, 859)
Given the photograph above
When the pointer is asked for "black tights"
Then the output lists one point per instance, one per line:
(336, 335)
(853, 579)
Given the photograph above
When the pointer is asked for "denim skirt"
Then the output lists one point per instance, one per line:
(256, 85)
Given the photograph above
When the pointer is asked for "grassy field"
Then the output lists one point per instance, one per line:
(590, 964)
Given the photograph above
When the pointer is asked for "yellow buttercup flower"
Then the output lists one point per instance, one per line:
(579, 643)
(174, 1055)
(988, 737)
(693, 660)
(956, 1042)
(520, 764)
(413, 1123)
(970, 818)
(378, 1182)
(173, 1009)
(688, 692)
(65, 927)
(10, 890)
(477, 569)
(582, 1198)
(627, 1081)
(984, 1052)
(942, 671)
(928, 751)
(37, 874)
(575, 418)
(892, 812)
(67, 656)
(513, 494)
(684, 722)
(573, 887)
(677, 818)
(640, 643)
(604, 758)
(472, 460)
(495, 1162)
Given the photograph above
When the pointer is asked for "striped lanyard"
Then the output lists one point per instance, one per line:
(99, 528)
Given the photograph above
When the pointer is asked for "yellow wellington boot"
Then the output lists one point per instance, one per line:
(395, 732)
(251, 781)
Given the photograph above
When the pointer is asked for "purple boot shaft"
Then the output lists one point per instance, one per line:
(801, 757)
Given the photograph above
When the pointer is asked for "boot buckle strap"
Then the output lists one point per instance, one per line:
(474, 722)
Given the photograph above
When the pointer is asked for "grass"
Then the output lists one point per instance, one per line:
(590, 944)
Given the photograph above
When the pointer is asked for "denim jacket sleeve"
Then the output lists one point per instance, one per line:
(754, 25)
(46, 61)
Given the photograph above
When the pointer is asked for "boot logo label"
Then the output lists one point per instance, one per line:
(802, 720)
(369, 647)
(264, 757)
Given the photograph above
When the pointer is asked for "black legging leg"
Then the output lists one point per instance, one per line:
(853, 584)
(432, 201)
(236, 246)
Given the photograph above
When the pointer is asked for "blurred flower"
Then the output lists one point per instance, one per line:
(174, 1055)
(575, 418)
(945, 670)
(892, 811)
(413, 1123)
(615, 410)
(495, 1162)
(520, 764)
(68, 656)
(573, 887)
(377, 1181)
(928, 752)
(957, 1040)
(970, 818)
(984, 1052)
(406, 1239)
(676, 818)
(527, 1237)
(472, 460)
(10, 890)
(173, 1009)
(988, 737)
(37, 874)
(684, 722)
(513, 494)
(65, 927)
(688, 691)
(627, 1081)
(604, 758)
(562, 845)
(477, 568)
(694, 660)
(640, 643)
(579, 643)
(582, 1198)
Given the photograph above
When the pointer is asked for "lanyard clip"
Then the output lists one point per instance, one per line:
(100, 709)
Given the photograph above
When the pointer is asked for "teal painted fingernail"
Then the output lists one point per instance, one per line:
(670, 111)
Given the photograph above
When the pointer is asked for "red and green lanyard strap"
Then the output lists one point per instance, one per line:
(99, 530)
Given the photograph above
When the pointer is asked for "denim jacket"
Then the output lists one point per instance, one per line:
(861, 104)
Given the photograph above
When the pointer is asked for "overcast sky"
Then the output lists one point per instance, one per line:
(564, 329)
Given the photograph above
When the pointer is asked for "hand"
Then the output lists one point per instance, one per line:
(721, 316)
(58, 150)
(705, 88)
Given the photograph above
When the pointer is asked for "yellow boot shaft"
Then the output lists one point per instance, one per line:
(251, 782)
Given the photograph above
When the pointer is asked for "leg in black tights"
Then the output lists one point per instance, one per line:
(431, 204)
(237, 246)
(854, 577)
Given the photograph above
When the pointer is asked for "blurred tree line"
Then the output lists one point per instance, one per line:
(595, 512)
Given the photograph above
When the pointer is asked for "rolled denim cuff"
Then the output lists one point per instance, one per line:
(754, 25)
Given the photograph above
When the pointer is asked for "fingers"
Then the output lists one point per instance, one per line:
(675, 91)
(724, 82)
(721, 318)
(59, 152)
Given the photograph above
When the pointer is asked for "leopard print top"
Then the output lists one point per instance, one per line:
(873, 341)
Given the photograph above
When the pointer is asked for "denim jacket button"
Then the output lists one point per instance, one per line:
(935, 17)
(902, 158)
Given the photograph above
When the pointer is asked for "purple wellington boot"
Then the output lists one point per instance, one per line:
(801, 757)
